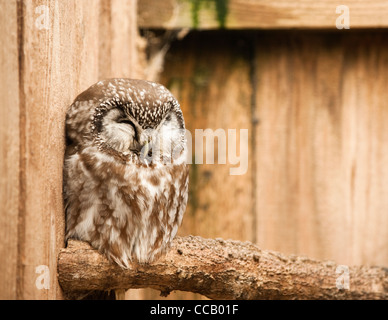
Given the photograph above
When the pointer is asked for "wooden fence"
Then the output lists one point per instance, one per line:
(314, 103)
(51, 51)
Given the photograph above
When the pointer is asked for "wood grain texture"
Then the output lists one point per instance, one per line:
(52, 76)
(214, 92)
(316, 183)
(259, 14)
(118, 40)
(9, 147)
(220, 270)
(320, 151)
(43, 70)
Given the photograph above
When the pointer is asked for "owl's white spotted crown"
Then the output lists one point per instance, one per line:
(147, 102)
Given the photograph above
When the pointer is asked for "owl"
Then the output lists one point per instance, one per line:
(125, 172)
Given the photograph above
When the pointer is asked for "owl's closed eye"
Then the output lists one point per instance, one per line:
(119, 132)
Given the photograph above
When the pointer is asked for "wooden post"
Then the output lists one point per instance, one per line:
(52, 50)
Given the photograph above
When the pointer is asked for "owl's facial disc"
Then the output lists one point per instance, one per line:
(163, 143)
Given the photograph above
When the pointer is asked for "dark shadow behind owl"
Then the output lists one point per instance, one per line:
(125, 171)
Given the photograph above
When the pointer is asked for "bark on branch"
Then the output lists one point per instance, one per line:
(221, 269)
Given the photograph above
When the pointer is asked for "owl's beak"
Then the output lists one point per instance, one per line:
(145, 146)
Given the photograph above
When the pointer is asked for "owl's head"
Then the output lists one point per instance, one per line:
(135, 120)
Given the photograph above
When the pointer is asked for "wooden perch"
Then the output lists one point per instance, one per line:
(221, 269)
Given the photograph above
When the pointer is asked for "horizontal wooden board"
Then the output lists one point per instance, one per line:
(259, 14)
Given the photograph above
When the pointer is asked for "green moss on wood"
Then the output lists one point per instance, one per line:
(222, 12)
(220, 6)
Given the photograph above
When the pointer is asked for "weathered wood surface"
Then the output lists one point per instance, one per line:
(315, 106)
(316, 183)
(46, 60)
(321, 146)
(222, 269)
(9, 148)
(318, 148)
(214, 97)
(259, 14)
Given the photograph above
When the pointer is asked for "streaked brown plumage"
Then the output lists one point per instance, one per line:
(125, 171)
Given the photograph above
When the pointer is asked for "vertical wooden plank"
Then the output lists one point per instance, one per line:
(321, 147)
(9, 147)
(105, 38)
(124, 38)
(118, 37)
(57, 64)
(283, 150)
(214, 91)
(364, 148)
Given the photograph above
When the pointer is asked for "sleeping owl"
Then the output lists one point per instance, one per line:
(125, 171)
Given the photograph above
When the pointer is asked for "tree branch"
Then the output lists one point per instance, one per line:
(220, 269)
